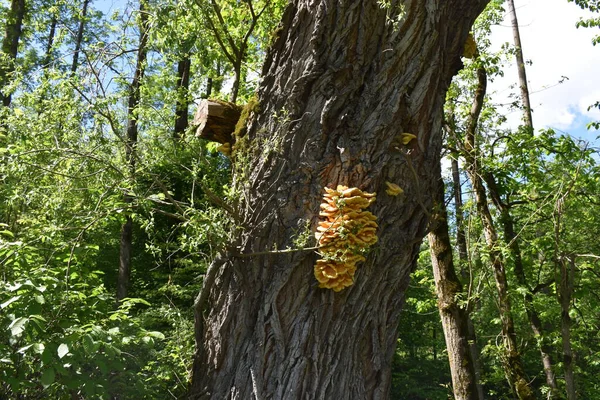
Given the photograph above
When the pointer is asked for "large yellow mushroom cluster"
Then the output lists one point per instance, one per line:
(343, 234)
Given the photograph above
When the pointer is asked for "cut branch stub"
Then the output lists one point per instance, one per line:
(215, 120)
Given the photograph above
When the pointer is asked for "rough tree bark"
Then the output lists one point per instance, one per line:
(512, 363)
(130, 153)
(342, 81)
(10, 45)
(455, 318)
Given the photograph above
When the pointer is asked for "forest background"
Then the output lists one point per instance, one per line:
(112, 208)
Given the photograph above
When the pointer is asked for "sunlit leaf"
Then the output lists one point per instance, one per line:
(63, 350)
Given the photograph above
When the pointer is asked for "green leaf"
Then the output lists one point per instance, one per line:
(18, 326)
(63, 350)
(7, 233)
(38, 318)
(9, 301)
(48, 377)
(47, 356)
(157, 335)
(89, 345)
(39, 298)
(102, 366)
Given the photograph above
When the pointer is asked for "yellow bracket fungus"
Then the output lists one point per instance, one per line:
(393, 189)
(225, 148)
(407, 137)
(344, 232)
(470, 48)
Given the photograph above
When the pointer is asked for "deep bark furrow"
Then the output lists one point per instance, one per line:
(332, 100)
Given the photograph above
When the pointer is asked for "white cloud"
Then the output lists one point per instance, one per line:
(556, 49)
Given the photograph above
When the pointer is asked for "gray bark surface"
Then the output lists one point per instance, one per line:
(343, 80)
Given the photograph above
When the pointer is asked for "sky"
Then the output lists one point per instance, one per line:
(556, 48)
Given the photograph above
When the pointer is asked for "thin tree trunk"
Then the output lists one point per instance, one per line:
(567, 271)
(237, 73)
(339, 85)
(463, 257)
(79, 38)
(10, 45)
(521, 66)
(512, 363)
(455, 319)
(566, 266)
(125, 256)
(182, 88)
(181, 116)
(461, 238)
(130, 154)
(508, 221)
(532, 314)
(209, 85)
(50, 44)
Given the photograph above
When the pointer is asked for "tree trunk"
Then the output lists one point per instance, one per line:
(461, 238)
(567, 271)
(521, 66)
(237, 76)
(50, 44)
(342, 81)
(125, 256)
(79, 38)
(10, 45)
(513, 365)
(182, 88)
(455, 319)
(463, 257)
(532, 315)
(130, 154)
(209, 85)
(508, 222)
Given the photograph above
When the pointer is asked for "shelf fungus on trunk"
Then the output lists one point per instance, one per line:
(345, 232)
